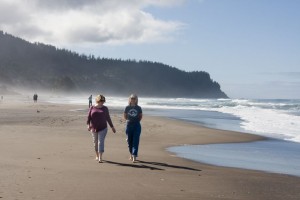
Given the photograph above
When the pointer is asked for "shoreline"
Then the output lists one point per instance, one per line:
(270, 155)
(48, 154)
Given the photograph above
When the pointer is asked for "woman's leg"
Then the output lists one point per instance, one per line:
(95, 142)
(129, 141)
(101, 139)
(129, 133)
(136, 141)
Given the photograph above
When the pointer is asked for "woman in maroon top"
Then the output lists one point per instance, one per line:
(97, 120)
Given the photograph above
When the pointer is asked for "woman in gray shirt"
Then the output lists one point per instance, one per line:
(133, 115)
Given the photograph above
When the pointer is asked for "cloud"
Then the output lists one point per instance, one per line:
(291, 74)
(63, 22)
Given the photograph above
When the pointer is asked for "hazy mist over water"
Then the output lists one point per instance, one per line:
(276, 118)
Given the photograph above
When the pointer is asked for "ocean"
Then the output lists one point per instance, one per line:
(277, 119)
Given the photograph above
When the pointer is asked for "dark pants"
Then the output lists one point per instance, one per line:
(133, 131)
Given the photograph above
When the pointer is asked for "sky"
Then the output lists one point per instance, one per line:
(250, 47)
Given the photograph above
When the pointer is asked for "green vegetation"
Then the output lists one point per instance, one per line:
(27, 65)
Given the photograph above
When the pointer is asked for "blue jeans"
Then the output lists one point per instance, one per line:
(133, 132)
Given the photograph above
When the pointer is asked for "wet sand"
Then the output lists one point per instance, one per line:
(46, 153)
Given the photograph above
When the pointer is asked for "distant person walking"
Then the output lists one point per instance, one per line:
(133, 115)
(90, 101)
(97, 120)
(35, 98)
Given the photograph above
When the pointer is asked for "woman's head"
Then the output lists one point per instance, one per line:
(133, 99)
(100, 98)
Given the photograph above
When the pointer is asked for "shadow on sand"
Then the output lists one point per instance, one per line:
(149, 165)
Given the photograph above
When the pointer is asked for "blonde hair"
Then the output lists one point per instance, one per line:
(99, 98)
(131, 97)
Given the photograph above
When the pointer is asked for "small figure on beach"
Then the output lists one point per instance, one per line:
(97, 120)
(90, 101)
(35, 98)
(133, 115)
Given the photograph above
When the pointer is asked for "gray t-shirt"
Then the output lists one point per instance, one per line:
(133, 113)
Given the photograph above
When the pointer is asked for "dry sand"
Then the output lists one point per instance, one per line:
(46, 153)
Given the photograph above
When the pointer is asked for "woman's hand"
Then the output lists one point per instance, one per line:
(113, 129)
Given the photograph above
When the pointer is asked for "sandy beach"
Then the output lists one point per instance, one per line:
(46, 153)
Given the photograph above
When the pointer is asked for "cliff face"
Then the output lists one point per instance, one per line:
(40, 66)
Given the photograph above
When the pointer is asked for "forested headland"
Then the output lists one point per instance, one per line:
(37, 66)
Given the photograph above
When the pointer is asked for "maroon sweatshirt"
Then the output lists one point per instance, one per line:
(98, 118)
